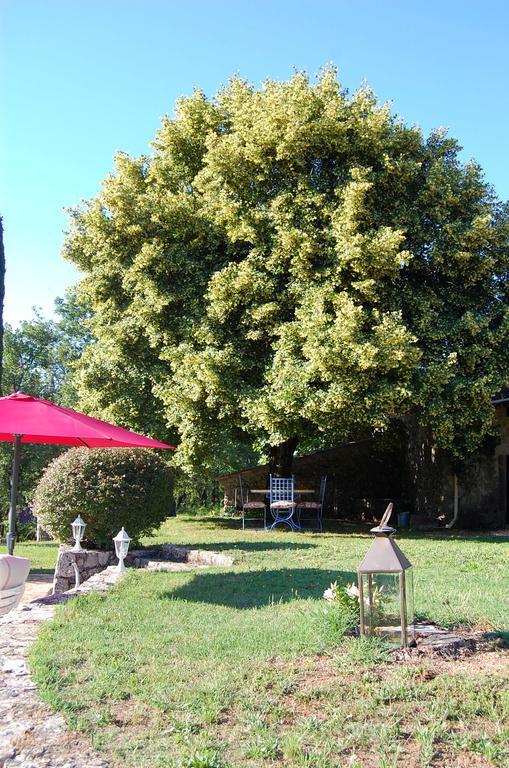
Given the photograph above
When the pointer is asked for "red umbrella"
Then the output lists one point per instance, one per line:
(27, 419)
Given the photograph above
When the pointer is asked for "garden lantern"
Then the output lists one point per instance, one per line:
(122, 542)
(386, 588)
(78, 531)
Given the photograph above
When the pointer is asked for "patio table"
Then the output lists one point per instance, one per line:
(295, 525)
(297, 490)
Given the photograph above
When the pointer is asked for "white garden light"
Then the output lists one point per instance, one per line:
(122, 542)
(78, 531)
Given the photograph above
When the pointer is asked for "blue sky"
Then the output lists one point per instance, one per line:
(83, 79)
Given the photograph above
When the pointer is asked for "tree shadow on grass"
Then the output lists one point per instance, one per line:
(477, 537)
(340, 526)
(231, 523)
(253, 525)
(254, 589)
(248, 546)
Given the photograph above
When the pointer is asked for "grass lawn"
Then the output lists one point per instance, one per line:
(42, 555)
(241, 666)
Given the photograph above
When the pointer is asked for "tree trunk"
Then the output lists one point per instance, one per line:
(2, 294)
(281, 457)
(423, 469)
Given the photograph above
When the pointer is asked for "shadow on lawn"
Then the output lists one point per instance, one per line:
(502, 635)
(253, 589)
(235, 524)
(338, 526)
(249, 546)
(478, 537)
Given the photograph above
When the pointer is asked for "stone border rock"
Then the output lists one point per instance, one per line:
(436, 641)
(167, 556)
(32, 735)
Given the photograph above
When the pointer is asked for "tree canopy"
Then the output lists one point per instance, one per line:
(39, 356)
(293, 263)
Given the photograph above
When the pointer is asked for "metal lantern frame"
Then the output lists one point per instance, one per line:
(384, 557)
(78, 532)
(121, 541)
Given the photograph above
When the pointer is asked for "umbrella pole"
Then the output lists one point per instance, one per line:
(11, 536)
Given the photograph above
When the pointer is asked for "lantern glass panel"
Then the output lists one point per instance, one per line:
(409, 589)
(383, 604)
(121, 548)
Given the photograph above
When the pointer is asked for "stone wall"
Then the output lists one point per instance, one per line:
(482, 482)
(88, 562)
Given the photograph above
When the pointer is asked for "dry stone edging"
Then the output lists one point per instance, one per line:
(32, 735)
(170, 557)
(165, 557)
(87, 561)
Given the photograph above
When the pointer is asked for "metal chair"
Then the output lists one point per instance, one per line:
(13, 575)
(247, 505)
(314, 506)
(282, 501)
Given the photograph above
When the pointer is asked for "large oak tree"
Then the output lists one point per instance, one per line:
(293, 265)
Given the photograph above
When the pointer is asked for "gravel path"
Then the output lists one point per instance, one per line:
(37, 585)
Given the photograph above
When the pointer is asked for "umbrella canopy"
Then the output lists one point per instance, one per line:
(40, 421)
(27, 419)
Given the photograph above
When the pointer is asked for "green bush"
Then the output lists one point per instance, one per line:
(109, 488)
(26, 525)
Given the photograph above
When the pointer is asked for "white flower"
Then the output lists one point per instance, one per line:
(332, 592)
(352, 591)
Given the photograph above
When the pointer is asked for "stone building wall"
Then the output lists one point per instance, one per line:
(364, 475)
(482, 482)
(502, 422)
(501, 466)
(477, 492)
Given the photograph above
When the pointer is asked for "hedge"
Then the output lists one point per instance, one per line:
(109, 488)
